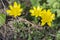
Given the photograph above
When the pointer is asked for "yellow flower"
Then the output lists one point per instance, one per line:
(14, 10)
(47, 17)
(36, 11)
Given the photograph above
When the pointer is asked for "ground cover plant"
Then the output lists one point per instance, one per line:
(29, 19)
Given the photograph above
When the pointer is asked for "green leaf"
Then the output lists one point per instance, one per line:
(56, 5)
(53, 10)
(51, 1)
(58, 35)
(44, 5)
(58, 13)
(2, 19)
(29, 38)
(35, 2)
(58, 0)
(36, 20)
(56, 10)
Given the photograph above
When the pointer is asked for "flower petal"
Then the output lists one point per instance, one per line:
(8, 11)
(49, 23)
(15, 4)
(19, 5)
(43, 23)
(10, 6)
(53, 16)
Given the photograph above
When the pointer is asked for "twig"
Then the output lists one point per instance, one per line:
(33, 25)
(27, 22)
(3, 5)
(52, 35)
